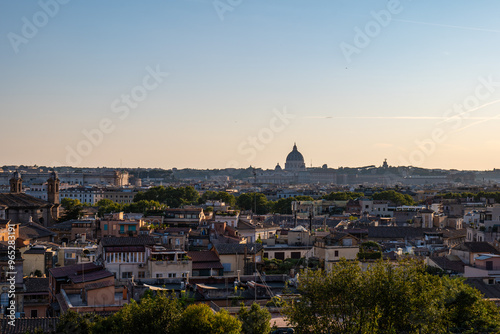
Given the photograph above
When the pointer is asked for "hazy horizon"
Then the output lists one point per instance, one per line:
(232, 83)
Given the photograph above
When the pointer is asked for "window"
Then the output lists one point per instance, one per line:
(295, 255)
(34, 313)
(105, 227)
(141, 274)
(132, 228)
(266, 255)
(122, 228)
(127, 274)
(279, 255)
(489, 265)
(172, 275)
(159, 275)
(227, 267)
(69, 255)
(336, 253)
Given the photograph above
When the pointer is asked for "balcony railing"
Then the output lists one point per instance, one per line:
(162, 263)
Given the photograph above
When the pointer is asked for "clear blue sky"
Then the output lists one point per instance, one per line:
(228, 78)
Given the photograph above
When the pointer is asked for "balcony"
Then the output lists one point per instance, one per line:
(170, 263)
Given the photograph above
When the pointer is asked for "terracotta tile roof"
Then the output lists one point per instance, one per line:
(446, 264)
(207, 265)
(21, 201)
(68, 270)
(99, 285)
(79, 273)
(128, 241)
(36, 284)
(203, 256)
(451, 233)
(64, 226)
(396, 232)
(489, 290)
(112, 249)
(30, 231)
(205, 260)
(23, 325)
(480, 247)
(35, 250)
(93, 276)
(236, 248)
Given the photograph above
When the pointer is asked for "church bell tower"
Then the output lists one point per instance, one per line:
(53, 188)
(16, 183)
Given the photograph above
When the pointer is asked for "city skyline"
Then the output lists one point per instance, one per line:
(216, 84)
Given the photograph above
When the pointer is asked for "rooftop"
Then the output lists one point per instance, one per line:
(489, 290)
(79, 273)
(233, 248)
(396, 232)
(35, 250)
(128, 241)
(479, 247)
(36, 284)
(30, 231)
(23, 325)
(21, 201)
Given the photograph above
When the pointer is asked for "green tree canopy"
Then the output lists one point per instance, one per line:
(73, 209)
(200, 319)
(254, 320)
(250, 200)
(342, 196)
(154, 314)
(224, 323)
(223, 196)
(388, 298)
(72, 322)
(476, 196)
(173, 197)
(108, 206)
(284, 205)
(143, 206)
(394, 196)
